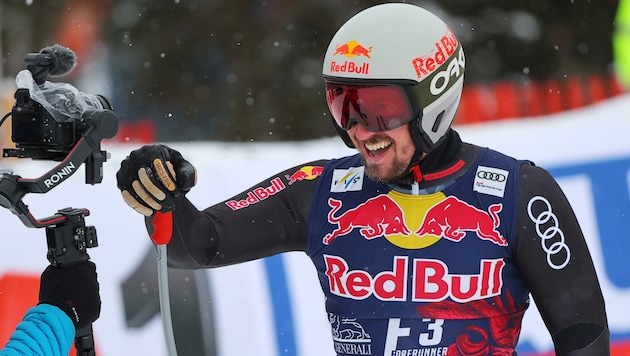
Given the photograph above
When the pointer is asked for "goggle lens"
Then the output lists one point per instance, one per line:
(377, 107)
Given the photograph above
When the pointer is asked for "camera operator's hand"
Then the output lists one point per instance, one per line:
(152, 176)
(74, 289)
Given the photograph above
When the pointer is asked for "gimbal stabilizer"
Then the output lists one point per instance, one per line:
(66, 233)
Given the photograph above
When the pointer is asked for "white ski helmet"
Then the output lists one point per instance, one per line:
(399, 43)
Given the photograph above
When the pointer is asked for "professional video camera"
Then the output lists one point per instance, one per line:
(52, 121)
(49, 118)
(55, 121)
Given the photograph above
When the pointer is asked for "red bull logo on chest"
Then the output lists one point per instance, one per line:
(431, 281)
(414, 222)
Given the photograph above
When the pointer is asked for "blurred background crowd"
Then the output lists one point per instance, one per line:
(250, 70)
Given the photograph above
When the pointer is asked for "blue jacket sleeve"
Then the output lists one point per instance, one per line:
(45, 330)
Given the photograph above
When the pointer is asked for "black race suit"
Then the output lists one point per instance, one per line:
(445, 267)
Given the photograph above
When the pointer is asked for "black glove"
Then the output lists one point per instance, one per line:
(152, 176)
(74, 289)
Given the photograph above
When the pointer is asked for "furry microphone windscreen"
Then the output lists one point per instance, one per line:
(62, 59)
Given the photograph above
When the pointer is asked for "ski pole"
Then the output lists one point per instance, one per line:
(162, 232)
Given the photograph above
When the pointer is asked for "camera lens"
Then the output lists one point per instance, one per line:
(97, 102)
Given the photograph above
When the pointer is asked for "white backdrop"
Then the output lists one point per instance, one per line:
(241, 299)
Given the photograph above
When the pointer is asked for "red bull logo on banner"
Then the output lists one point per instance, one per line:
(414, 222)
(304, 173)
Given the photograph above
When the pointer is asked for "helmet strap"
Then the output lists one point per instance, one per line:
(343, 134)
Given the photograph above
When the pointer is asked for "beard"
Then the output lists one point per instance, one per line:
(389, 171)
(379, 174)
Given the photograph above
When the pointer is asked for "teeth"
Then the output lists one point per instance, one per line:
(377, 146)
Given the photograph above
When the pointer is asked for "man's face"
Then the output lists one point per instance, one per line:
(387, 154)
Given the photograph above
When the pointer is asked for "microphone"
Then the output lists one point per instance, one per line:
(55, 60)
(62, 59)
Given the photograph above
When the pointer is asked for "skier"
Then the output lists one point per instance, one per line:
(423, 244)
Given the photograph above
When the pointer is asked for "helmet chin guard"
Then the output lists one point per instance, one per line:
(402, 43)
(343, 134)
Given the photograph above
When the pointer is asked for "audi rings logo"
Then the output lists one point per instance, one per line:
(497, 177)
(552, 238)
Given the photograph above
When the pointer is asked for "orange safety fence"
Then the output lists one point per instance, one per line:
(511, 100)
(18, 292)
(139, 131)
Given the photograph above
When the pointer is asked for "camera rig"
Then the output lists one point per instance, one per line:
(38, 134)
(96, 125)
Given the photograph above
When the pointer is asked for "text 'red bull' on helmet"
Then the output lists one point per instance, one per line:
(403, 46)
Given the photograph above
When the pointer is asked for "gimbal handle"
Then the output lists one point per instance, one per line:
(84, 341)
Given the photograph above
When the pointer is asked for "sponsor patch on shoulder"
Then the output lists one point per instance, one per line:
(490, 181)
(347, 180)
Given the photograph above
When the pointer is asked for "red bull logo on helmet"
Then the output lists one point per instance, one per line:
(351, 49)
(415, 222)
(443, 50)
(442, 68)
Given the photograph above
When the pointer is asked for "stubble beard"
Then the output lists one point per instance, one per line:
(397, 168)
(375, 172)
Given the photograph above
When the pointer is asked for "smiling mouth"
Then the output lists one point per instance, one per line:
(375, 149)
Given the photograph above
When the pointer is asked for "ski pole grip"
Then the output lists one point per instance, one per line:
(162, 228)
